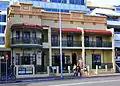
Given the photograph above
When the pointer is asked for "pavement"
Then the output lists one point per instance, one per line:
(65, 77)
(102, 81)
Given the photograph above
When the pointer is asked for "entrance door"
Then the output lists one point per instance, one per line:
(98, 41)
(74, 59)
(96, 60)
(55, 41)
(26, 59)
(55, 60)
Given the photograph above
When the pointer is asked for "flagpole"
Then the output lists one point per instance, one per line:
(60, 26)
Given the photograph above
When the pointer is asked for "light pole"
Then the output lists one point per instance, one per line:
(60, 26)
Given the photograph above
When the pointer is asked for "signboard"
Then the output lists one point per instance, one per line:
(25, 70)
(6, 57)
(1, 57)
(39, 58)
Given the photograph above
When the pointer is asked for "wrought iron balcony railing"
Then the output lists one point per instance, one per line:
(22, 40)
(97, 44)
(66, 43)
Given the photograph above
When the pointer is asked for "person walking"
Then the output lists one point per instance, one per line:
(80, 64)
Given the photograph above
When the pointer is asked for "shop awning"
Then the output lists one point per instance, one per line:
(97, 31)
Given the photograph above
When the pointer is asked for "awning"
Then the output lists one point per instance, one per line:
(72, 30)
(97, 31)
(26, 25)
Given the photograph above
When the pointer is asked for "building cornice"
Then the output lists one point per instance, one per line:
(72, 16)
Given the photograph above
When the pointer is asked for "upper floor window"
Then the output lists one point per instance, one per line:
(33, 34)
(59, 1)
(26, 35)
(1, 40)
(2, 28)
(112, 18)
(2, 18)
(79, 2)
(54, 38)
(18, 34)
(4, 4)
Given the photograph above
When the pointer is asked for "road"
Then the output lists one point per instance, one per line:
(101, 81)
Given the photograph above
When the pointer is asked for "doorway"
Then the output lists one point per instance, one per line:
(96, 60)
(86, 39)
(69, 40)
(98, 41)
(74, 59)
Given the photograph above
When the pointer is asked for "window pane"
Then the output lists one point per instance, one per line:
(17, 58)
(18, 34)
(2, 28)
(2, 18)
(26, 35)
(59, 1)
(76, 2)
(1, 40)
(33, 34)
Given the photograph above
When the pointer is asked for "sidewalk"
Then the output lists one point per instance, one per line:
(65, 77)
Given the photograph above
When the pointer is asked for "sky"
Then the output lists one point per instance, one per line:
(105, 2)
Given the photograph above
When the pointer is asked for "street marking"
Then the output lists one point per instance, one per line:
(94, 82)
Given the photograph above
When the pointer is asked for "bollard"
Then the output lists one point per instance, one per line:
(69, 69)
(48, 70)
(96, 69)
(106, 67)
(57, 72)
(88, 68)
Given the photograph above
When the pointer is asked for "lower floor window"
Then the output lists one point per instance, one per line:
(17, 59)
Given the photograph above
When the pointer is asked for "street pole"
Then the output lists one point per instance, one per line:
(6, 70)
(0, 67)
(60, 26)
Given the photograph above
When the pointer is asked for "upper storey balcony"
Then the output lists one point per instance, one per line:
(26, 35)
(71, 38)
(98, 38)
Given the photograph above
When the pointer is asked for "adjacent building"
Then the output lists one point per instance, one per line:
(3, 22)
(55, 5)
(33, 36)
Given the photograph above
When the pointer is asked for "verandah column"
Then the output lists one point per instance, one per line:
(50, 49)
(83, 48)
(113, 50)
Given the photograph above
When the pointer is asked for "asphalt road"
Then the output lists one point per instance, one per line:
(101, 81)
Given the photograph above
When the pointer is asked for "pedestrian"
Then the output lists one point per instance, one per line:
(75, 70)
(80, 64)
(12, 69)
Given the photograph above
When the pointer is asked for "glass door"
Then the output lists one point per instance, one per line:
(86, 39)
(98, 41)
(26, 37)
(96, 60)
(69, 40)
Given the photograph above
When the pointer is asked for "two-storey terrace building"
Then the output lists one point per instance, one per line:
(33, 36)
